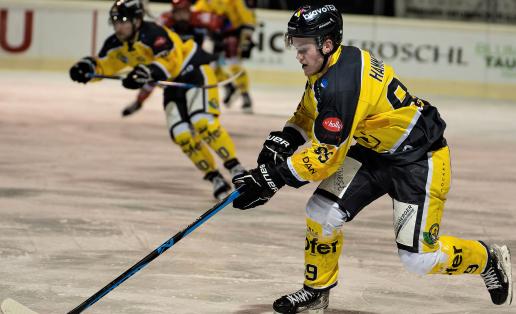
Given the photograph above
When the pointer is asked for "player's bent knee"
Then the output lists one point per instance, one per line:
(181, 134)
(203, 122)
(419, 263)
(325, 212)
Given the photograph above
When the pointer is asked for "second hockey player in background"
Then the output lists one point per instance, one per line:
(155, 53)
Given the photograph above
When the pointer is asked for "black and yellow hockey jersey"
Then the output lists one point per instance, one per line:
(237, 13)
(358, 98)
(154, 44)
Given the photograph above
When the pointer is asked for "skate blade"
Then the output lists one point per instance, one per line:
(9, 306)
(248, 110)
(506, 261)
(317, 311)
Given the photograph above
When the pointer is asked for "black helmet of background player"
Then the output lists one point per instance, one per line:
(320, 22)
(127, 11)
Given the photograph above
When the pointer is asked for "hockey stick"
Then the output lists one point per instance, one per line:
(174, 84)
(152, 255)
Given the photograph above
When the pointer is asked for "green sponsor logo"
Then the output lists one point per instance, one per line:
(498, 57)
(432, 235)
(213, 103)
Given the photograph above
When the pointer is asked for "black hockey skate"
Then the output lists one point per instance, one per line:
(247, 103)
(498, 274)
(230, 94)
(221, 187)
(306, 299)
(234, 167)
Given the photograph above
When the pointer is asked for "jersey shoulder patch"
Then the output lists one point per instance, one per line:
(155, 37)
(329, 128)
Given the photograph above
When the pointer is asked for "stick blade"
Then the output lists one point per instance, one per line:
(9, 306)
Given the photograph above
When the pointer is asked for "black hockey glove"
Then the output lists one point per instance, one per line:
(278, 146)
(139, 76)
(83, 70)
(256, 186)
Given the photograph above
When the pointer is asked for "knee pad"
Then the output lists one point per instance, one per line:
(326, 213)
(420, 263)
(202, 122)
(181, 133)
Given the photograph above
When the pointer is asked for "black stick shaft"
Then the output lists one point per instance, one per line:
(173, 84)
(109, 77)
(152, 255)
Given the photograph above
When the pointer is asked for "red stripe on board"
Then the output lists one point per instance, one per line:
(27, 33)
(94, 33)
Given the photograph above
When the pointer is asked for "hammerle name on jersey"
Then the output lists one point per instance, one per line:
(377, 69)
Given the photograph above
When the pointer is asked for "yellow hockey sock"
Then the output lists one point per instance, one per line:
(220, 73)
(216, 136)
(241, 82)
(321, 256)
(460, 257)
(196, 151)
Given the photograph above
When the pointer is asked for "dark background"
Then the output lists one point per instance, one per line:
(369, 7)
(487, 11)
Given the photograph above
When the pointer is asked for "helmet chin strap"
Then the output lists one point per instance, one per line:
(134, 33)
(326, 58)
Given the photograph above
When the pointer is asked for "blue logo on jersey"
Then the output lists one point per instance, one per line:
(324, 83)
(122, 58)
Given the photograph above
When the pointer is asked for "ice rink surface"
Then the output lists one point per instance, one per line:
(85, 194)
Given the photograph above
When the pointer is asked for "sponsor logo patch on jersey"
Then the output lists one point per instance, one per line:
(432, 235)
(324, 83)
(333, 124)
(122, 58)
(213, 103)
(160, 41)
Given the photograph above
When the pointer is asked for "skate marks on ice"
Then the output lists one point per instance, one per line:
(266, 309)
(85, 194)
(9, 306)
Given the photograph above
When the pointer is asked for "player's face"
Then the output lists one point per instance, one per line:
(181, 15)
(308, 55)
(123, 29)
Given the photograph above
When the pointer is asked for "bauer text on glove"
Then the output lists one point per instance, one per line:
(279, 145)
(256, 186)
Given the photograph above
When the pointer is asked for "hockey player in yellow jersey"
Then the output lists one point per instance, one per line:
(400, 150)
(236, 35)
(157, 54)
